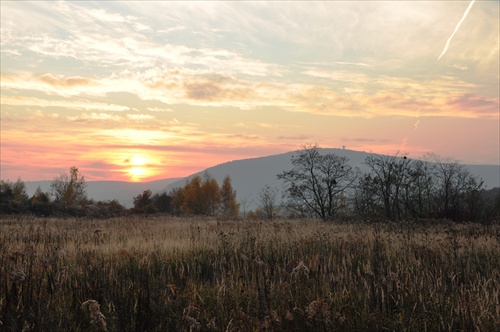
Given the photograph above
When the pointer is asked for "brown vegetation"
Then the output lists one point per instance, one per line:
(173, 274)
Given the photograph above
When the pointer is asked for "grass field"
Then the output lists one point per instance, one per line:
(168, 274)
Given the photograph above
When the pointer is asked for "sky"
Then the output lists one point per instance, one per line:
(145, 90)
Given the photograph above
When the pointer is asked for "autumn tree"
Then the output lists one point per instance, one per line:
(229, 207)
(205, 197)
(317, 182)
(200, 197)
(210, 193)
(191, 197)
(177, 200)
(69, 189)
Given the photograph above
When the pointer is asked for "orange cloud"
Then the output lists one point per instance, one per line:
(67, 82)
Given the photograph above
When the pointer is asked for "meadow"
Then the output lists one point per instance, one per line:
(161, 273)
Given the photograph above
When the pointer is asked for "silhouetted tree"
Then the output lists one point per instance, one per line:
(419, 189)
(106, 209)
(13, 197)
(40, 203)
(367, 199)
(268, 202)
(389, 177)
(317, 182)
(457, 190)
(143, 203)
(491, 199)
(162, 202)
(430, 188)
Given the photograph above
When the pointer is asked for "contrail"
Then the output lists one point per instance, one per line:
(418, 120)
(456, 29)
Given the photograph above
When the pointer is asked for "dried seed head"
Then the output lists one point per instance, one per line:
(318, 310)
(194, 325)
(211, 324)
(300, 271)
(28, 327)
(98, 319)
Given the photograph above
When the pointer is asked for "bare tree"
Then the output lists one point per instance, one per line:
(397, 188)
(317, 183)
(268, 204)
(389, 175)
(457, 190)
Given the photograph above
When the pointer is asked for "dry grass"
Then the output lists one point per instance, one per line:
(168, 274)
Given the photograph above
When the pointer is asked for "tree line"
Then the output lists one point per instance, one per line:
(322, 186)
(198, 197)
(68, 197)
(393, 188)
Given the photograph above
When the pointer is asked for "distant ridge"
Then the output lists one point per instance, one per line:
(248, 177)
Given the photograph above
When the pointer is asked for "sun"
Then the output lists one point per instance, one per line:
(137, 172)
(138, 169)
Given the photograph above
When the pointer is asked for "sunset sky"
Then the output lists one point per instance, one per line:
(136, 91)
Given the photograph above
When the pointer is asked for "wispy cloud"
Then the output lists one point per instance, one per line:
(352, 94)
(68, 103)
(186, 80)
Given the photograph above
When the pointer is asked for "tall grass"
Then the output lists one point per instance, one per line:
(168, 274)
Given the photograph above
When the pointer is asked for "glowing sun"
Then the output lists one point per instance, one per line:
(138, 169)
(137, 172)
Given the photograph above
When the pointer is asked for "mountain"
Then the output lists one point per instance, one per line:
(250, 176)
(122, 191)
